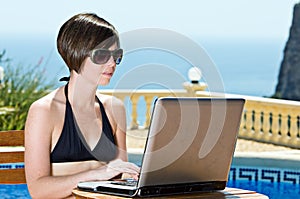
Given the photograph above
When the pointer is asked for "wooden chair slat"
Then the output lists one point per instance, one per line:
(12, 151)
(12, 138)
(12, 176)
(11, 157)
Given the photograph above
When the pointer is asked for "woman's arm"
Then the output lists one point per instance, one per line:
(37, 156)
(41, 183)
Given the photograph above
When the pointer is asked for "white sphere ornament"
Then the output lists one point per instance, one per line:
(194, 74)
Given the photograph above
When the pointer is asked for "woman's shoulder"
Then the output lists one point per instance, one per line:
(46, 112)
(110, 100)
(47, 102)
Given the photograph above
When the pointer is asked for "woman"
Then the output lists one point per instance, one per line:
(74, 134)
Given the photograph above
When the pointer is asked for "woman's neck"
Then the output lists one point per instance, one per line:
(81, 93)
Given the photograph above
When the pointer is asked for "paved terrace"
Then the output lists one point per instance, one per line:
(250, 153)
(136, 140)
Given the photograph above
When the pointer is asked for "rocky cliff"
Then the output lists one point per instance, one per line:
(288, 86)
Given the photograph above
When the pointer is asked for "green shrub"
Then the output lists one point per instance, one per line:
(20, 87)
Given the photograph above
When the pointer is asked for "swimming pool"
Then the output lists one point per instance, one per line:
(274, 190)
(277, 183)
(14, 191)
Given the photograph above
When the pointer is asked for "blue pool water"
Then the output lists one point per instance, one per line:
(276, 183)
(273, 190)
(14, 191)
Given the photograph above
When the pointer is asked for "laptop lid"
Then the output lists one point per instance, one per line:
(190, 140)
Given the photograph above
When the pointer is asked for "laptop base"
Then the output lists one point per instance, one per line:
(162, 190)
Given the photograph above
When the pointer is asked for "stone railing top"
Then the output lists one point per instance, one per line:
(250, 98)
(142, 91)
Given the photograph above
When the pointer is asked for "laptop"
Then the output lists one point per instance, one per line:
(189, 148)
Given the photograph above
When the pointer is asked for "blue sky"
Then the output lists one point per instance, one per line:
(245, 37)
(230, 18)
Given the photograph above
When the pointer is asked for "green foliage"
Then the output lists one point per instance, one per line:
(21, 86)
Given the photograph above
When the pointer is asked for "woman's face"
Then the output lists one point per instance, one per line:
(99, 74)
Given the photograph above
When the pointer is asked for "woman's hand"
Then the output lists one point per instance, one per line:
(128, 169)
(117, 167)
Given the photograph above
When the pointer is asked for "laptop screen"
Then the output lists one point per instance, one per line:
(190, 140)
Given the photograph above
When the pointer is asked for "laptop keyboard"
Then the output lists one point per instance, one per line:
(129, 182)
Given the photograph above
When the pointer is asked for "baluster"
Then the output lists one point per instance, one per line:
(266, 125)
(257, 122)
(294, 129)
(284, 127)
(275, 126)
(134, 101)
(148, 100)
(249, 123)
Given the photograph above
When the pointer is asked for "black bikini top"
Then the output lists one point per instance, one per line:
(72, 146)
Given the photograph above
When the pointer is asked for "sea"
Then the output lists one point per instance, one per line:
(246, 66)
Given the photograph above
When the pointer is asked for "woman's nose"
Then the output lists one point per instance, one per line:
(111, 62)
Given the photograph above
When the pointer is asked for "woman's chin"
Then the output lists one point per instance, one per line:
(103, 82)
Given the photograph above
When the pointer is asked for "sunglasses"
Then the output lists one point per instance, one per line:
(101, 56)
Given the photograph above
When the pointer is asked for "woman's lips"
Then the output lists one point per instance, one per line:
(107, 74)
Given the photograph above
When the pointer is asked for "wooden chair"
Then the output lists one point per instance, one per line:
(12, 151)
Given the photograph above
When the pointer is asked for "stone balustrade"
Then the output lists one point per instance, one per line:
(272, 121)
(142, 94)
(264, 119)
(268, 120)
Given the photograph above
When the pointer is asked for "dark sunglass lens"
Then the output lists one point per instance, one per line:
(101, 56)
(118, 54)
(118, 60)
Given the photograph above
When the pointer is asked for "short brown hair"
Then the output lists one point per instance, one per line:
(81, 34)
